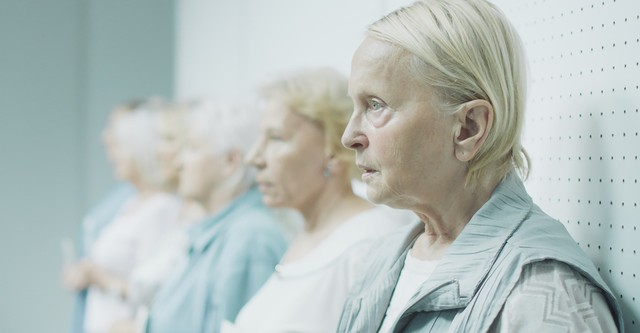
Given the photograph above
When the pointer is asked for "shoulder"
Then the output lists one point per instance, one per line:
(542, 237)
(254, 219)
(254, 229)
(550, 296)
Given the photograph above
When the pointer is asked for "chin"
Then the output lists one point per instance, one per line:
(383, 198)
(375, 196)
(270, 202)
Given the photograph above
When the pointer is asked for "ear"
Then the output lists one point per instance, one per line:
(232, 161)
(332, 164)
(474, 121)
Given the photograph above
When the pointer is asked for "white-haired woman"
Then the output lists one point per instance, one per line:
(439, 92)
(133, 235)
(302, 165)
(235, 248)
(147, 277)
(102, 213)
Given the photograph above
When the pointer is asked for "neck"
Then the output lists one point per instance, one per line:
(330, 207)
(445, 220)
(219, 198)
(143, 190)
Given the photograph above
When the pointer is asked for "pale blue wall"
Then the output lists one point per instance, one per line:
(63, 65)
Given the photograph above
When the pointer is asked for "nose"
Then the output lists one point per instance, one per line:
(178, 161)
(353, 136)
(254, 156)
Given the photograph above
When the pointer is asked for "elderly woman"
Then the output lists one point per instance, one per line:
(302, 165)
(232, 251)
(439, 91)
(150, 274)
(132, 236)
(101, 215)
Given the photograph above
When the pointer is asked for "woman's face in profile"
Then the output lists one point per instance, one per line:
(124, 163)
(289, 156)
(404, 146)
(168, 151)
(200, 168)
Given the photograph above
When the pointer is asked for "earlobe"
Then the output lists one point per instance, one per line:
(332, 165)
(474, 121)
(232, 161)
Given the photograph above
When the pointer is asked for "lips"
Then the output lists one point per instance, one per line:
(366, 169)
(368, 172)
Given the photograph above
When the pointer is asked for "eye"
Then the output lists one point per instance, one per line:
(378, 112)
(274, 136)
(374, 105)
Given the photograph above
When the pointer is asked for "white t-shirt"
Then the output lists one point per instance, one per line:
(307, 295)
(128, 240)
(414, 273)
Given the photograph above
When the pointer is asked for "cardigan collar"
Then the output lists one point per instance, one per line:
(202, 234)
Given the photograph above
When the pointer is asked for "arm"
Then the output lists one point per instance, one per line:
(84, 274)
(551, 297)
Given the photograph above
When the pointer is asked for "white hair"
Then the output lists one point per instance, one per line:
(227, 128)
(136, 133)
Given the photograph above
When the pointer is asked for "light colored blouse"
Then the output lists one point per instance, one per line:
(307, 295)
(414, 273)
(121, 246)
(99, 217)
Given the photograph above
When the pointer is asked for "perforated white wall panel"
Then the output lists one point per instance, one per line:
(582, 128)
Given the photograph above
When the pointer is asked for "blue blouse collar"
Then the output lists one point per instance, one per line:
(203, 233)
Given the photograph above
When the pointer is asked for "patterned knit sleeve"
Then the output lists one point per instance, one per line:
(550, 297)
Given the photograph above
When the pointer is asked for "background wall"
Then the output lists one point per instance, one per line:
(582, 123)
(63, 65)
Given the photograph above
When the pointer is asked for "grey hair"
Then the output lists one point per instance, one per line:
(137, 134)
(228, 128)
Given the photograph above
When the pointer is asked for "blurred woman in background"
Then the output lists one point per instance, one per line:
(103, 213)
(302, 165)
(235, 248)
(151, 273)
(133, 235)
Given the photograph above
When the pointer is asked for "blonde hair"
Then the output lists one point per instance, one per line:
(321, 95)
(467, 50)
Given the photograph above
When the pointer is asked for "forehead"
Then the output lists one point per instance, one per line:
(277, 115)
(382, 69)
(382, 60)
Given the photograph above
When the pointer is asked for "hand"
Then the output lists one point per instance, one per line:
(125, 326)
(77, 276)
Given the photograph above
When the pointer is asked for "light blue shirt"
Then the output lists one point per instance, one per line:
(230, 257)
(97, 218)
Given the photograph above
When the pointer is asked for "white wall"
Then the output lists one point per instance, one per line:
(582, 122)
(225, 48)
(582, 128)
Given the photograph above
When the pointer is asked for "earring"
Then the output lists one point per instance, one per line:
(326, 173)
